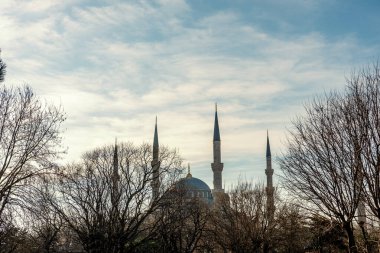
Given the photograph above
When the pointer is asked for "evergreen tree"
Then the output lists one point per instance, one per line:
(2, 69)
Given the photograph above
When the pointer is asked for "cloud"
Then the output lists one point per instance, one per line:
(114, 67)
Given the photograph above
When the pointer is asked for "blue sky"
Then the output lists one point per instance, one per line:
(115, 65)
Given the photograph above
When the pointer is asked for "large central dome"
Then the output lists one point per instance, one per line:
(195, 187)
(193, 183)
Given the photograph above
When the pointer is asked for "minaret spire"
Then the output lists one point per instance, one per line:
(217, 165)
(216, 125)
(268, 146)
(155, 165)
(115, 160)
(155, 139)
(115, 176)
(269, 188)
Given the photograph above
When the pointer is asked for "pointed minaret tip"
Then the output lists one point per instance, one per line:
(115, 158)
(115, 148)
(155, 139)
(216, 125)
(268, 154)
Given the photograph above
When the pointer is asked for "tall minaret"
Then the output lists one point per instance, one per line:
(269, 173)
(115, 162)
(115, 176)
(217, 166)
(155, 165)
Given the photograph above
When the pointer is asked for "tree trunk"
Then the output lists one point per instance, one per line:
(266, 247)
(351, 238)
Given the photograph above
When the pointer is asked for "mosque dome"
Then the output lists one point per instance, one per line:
(193, 183)
(195, 187)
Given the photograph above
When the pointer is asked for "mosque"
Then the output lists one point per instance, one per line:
(195, 187)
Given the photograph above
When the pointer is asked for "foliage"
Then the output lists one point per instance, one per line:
(3, 67)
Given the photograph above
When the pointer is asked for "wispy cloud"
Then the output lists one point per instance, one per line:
(115, 66)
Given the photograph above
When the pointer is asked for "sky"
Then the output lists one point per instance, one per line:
(116, 65)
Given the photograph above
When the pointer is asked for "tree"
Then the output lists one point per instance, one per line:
(2, 69)
(320, 162)
(364, 92)
(43, 225)
(11, 237)
(182, 222)
(29, 142)
(29, 137)
(290, 232)
(241, 222)
(333, 156)
(106, 199)
(327, 235)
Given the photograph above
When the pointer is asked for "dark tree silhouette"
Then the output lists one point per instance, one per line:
(364, 94)
(241, 222)
(29, 140)
(327, 235)
(11, 236)
(333, 156)
(182, 223)
(44, 226)
(320, 165)
(3, 67)
(106, 199)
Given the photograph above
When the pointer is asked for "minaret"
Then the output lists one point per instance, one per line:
(155, 165)
(115, 175)
(115, 162)
(269, 173)
(217, 166)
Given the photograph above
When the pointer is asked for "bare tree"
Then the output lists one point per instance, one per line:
(332, 158)
(106, 199)
(291, 229)
(364, 93)
(42, 224)
(11, 236)
(241, 222)
(29, 137)
(327, 235)
(182, 222)
(29, 142)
